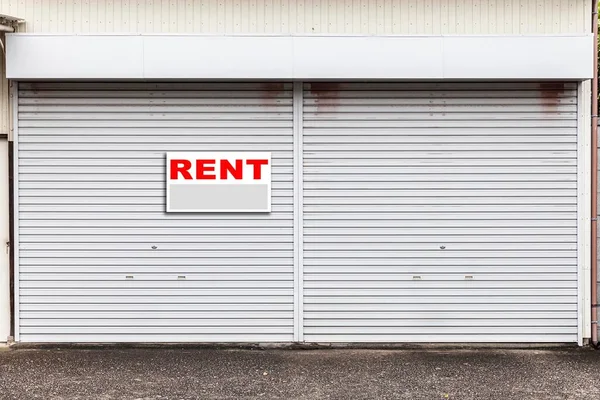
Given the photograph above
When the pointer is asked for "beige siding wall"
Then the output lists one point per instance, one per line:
(5, 108)
(370, 17)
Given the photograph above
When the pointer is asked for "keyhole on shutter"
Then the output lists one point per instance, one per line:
(154, 247)
(442, 247)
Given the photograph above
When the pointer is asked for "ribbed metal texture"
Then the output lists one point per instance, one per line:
(432, 212)
(440, 212)
(92, 209)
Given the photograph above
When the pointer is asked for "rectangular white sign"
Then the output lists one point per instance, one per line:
(219, 182)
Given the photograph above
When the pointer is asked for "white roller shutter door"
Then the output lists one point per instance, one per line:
(433, 212)
(99, 258)
(440, 212)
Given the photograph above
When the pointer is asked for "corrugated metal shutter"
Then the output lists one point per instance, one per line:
(91, 206)
(432, 212)
(440, 212)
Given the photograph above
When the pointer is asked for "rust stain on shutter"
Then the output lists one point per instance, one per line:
(272, 90)
(326, 94)
(551, 93)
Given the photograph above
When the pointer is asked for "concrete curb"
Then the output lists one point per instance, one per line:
(300, 346)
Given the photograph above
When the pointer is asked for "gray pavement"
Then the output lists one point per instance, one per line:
(197, 373)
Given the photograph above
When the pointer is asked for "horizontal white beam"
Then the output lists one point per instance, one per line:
(35, 56)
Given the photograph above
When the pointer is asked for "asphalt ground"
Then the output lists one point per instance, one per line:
(210, 373)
